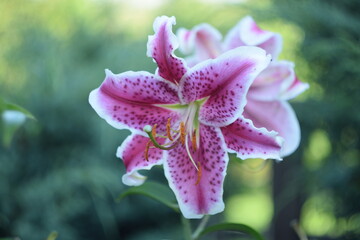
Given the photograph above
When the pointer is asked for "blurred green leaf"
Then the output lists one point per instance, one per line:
(12, 116)
(11, 106)
(155, 191)
(52, 236)
(237, 227)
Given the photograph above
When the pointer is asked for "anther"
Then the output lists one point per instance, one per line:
(153, 130)
(182, 133)
(147, 150)
(193, 140)
(168, 128)
(199, 173)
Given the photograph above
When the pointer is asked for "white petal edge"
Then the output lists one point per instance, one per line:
(133, 178)
(185, 210)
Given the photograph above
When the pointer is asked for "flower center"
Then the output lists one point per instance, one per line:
(187, 133)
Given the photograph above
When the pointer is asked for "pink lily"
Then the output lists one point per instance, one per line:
(267, 98)
(186, 119)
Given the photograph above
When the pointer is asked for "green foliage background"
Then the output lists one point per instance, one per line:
(60, 172)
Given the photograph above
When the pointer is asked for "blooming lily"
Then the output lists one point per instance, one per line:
(267, 98)
(186, 119)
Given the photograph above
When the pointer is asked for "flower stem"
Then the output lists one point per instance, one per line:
(187, 228)
(201, 227)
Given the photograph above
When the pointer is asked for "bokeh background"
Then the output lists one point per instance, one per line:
(59, 174)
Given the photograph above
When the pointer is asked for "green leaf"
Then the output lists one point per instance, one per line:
(237, 227)
(52, 236)
(14, 107)
(155, 191)
(4, 105)
(9, 127)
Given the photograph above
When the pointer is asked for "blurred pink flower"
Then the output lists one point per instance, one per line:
(267, 104)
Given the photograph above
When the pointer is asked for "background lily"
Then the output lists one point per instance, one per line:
(186, 119)
(267, 98)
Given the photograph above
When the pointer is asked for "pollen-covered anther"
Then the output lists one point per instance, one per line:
(199, 173)
(168, 130)
(146, 154)
(153, 130)
(193, 141)
(182, 133)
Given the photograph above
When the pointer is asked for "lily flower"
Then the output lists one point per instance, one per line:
(267, 104)
(186, 119)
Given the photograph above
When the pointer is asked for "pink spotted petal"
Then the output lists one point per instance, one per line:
(225, 80)
(247, 141)
(278, 116)
(204, 39)
(128, 100)
(296, 88)
(205, 197)
(161, 47)
(132, 152)
(273, 82)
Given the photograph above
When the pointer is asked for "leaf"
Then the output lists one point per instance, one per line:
(155, 191)
(9, 125)
(237, 227)
(11, 106)
(14, 107)
(52, 236)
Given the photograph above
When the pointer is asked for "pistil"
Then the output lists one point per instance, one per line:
(187, 131)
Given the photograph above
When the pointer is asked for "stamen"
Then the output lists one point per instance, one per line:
(182, 133)
(149, 132)
(199, 173)
(168, 128)
(147, 150)
(193, 140)
(153, 130)
(189, 154)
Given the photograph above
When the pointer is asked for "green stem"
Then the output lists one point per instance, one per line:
(187, 228)
(153, 140)
(201, 227)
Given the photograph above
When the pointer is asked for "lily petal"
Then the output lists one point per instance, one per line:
(128, 100)
(225, 80)
(247, 33)
(296, 88)
(273, 81)
(161, 47)
(251, 33)
(278, 116)
(232, 39)
(132, 152)
(247, 141)
(204, 39)
(199, 193)
(273, 45)
(186, 40)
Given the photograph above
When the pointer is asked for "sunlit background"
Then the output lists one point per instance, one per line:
(59, 174)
